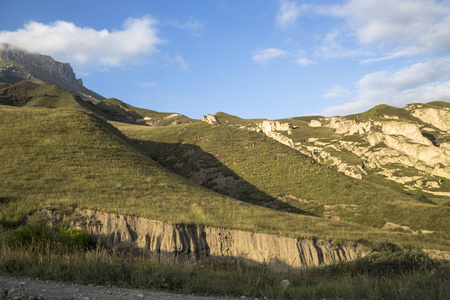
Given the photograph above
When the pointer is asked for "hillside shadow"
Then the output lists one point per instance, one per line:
(200, 167)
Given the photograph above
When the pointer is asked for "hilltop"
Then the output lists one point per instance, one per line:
(17, 65)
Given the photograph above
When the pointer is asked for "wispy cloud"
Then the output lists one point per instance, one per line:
(420, 82)
(288, 13)
(88, 47)
(263, 55)
(193, 25)
(182, 65)
(391, 28)
(304, 61)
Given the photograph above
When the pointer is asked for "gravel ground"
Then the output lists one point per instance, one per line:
(34, 289)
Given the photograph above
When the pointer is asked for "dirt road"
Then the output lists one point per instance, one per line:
(26, 288)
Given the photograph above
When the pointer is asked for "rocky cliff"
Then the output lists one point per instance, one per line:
(410, 146)
(385, 141)
(17, 65)
(189, 242)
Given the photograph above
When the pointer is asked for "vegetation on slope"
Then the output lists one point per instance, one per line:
(268, 171)
(57, 158)
(31, 94)
(230, 119)
(123, 112)
(61, 254)
(379, 111)
(12, 72)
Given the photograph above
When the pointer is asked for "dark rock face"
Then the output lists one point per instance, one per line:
(45, 68)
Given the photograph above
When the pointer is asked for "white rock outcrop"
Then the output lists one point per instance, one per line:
(210, 119)
(393, 141)
(438, 117)
(270, 126)
(346, 126)
(406, 129)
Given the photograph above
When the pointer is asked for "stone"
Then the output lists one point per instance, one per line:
(210, 119)
(285, 284)
(315, 123)
(438, 117)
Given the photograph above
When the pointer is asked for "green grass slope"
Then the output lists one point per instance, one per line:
(230, 119)
(270, 173)
(379, 111)
(56, 158)
(32, 94)
(123, 112)
(13, 72)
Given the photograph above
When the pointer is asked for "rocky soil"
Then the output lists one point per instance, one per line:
(27, 288)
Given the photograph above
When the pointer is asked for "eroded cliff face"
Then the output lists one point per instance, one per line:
(392, 142)
(410, 146)
(439, 118)
(201, 243)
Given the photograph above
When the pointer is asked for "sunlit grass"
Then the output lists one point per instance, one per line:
(388, 274)
(270, 170)
(54, 158)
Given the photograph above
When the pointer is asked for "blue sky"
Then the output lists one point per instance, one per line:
(253, 58)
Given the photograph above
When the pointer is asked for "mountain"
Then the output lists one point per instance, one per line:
(43, 94)
(17, 65)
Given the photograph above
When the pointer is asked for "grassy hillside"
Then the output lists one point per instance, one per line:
(31, 94)
(230, 119)
(379, 111)
(123, 112)
(12, 72)
(59, 157)
(259, 170)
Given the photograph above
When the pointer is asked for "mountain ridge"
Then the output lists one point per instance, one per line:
(41, 68)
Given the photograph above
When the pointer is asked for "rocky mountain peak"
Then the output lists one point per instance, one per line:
(38, 67)
(45, 63)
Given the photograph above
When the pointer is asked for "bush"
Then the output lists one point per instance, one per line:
(43, 236)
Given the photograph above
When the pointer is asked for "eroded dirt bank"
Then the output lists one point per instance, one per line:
(200, 242)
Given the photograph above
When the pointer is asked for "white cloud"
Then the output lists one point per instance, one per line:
(182, 65)
(396, 27)
(304, 62)
(288, 13)
(85, 46)
(193, 25)
(421, 82)
(262, 56)
(337, 92)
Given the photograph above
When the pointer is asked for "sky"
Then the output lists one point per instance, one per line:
(255, 58)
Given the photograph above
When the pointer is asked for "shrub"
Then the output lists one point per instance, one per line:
(36, 236)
